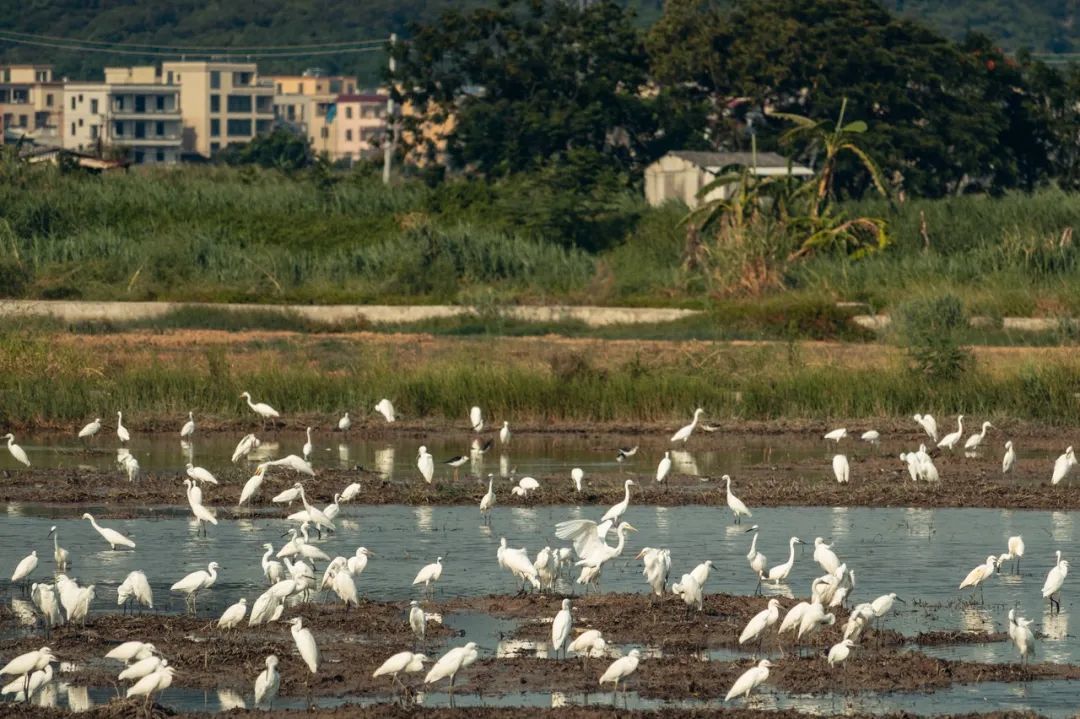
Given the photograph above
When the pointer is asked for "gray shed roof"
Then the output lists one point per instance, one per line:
(716, 160)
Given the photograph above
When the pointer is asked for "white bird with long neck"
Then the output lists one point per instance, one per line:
(929, 425)
(135, 589)
(476, 420)
(577, 474)
(755, 628)
(504, 433)
(664, 468)
(305, 644)
(244, 447)
(91, 429)
(560, 629)
(749, 680)
(620, 669)
(814, 617)
(203, 515)
(841, 469)
(17, 452)
(121, 431)
(386, 408)
(426, 464)
(825, 556)
(980, 574)
(315, 515)
(1055, 580)
(417, 620)
(272, 570)
(109, 535)
(268, 682)
(344, 424)
(253, 485)
(684, 433)
(618, 510)
(488, 500)
(589, 642)
(1009, 459)
(61, 556)
(262, 409)
(196, 582)
(839, 652)
(429, 574)
(359, 561)
(189, 427)
(757, 560)
(308, 447)
(1063, 465)
(25, 567)
(736, 505)
(451, 663)
(1015, 550)
(402, 662)
(233, 615)
(781, 571)
(198, 474)
(949, 441)
(976, 439)
(836, 435)
(516, 561)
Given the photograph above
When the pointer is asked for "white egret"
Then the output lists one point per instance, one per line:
(344, 585)
(524, 486)
(189, 427)
(749, 680)
(142, 667)
(700, 573)
(253, 485)
(268, 605)
(451, 663)
(871, 435)
(26, 664)
(618, 510)
(196, 582)
(929, 425)
(262, 409)
(689, 590)
(757, 560)
(976, 439)
(135, 588)
(351, 492)
(1021, 635)
(16, 451)
(560, 629)
(272, 570)
(927, 471)
(625, 453)
(25, 689)
(781, 571)
(25, 567)
(268, 682)
(755, 628)
(488, 500)
(299, 545)
(417, 619)
(315, 515)
(90, 429)
(836, 435)
(44, 598)
(121, 431)
(839, 652)
(406, 662)
(504, 433)
(620, 669)
(912, 461)
(736, 505)
(425, 463)
(546, 568)
(516, 561)
(841, 469)
(1055, 580)
(949, 441)
(232, 616)
(159, 681)
(386, 408)
(1009, 459)
(476, 420)
(577, 474)
(591, 641)
(244, 447)
(429, 574)
(812, 618)
(793, 618)
(664, 468)
(344, 424)
(979, 574)
(200, 475)
(289, 495)
(825, 556)
(203, 515)
(590, 545)
(1015, 552)
(308, 447)
(1063, 465)
(357, 563)
(131, 651)
(684, 433)
(109, 535)
(305, 643)
(61, 556)
(858, 619)
(883, 605)
(657, 568)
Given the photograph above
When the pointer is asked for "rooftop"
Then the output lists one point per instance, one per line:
(718, 160)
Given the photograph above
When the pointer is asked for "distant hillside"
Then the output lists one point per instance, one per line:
(1044, 25)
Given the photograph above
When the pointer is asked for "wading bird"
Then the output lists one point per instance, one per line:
(949, 441)
(267, 683)
(401, 662)
(1009, 459)
(620, 669)
(749, 680)
(841, 469)
(189, 427)
(16, 451)
(736, 505)
(684, 433)
(425, 463)
(1063, 465)
(781, 571)
(262, 409)
(196, 582)
(1055, 580)
(979, 574)
(451, 663)
(929, 425)
(836, 435)
(109, 535)
(91, 429)
(976, 439)
(386, 408)
(121, 431)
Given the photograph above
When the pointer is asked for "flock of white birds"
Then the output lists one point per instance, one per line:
(290, 572)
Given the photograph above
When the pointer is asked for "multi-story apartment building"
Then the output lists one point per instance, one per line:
(220, 103)
(360, 125)
(134, 110)
(31, 102)
(308, 104)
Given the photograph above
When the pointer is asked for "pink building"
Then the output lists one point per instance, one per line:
(360, 122)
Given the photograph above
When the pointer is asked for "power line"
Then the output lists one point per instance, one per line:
(153, 53)
(206, 48)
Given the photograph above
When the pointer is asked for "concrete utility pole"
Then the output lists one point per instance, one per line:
(390, 140)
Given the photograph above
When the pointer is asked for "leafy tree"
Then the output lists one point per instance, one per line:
(282, 149)
(530, 83)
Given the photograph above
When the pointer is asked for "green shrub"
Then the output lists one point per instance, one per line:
(930, 330)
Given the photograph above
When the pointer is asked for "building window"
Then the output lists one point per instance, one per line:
(215, 127)
(214, 147)
(168, 78)
(118, 129)
(239, 128)
(215, 79)
(93, 132)
(93, 106)
(73, 129)
(348, 136)
(159, 128)
(324, 133)
(240, 79)
(80, 122)
(23, 121)
(139, 157)
(348, 112)
(72, 102)
(239, 103)
(119, 103)
(80, 97)
(160, 156)
(49, 100)
(279, 90)
(42, 75)
(215, 103)
(159, 103)
(263, 127)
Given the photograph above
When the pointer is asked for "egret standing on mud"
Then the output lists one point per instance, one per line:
(425, 463)
(1009, 459)
(16, 451)
(749, 680)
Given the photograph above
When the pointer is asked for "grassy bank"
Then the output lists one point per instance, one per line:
(244, 235)
(60, 380)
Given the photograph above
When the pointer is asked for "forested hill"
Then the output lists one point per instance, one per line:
(1043, 25)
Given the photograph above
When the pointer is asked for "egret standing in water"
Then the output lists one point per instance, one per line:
(749, 680)
(619, 509)
(16, 451)
(61, 556)
(620, 669)
(504, 433)
(451, 663)
(344, 424)
(488, 500)
(267, 683)
(1014, 553)
(476, 420)
(757, 560)
(262, 409)
(121, 431)
(736, 505)
(308, 447)
(684, 433)
(781, 571)
(195, 582)
(109, 535)
(91, 429)
(189, 427)
(560, 629)
(836, 435)
(398, 663)
(979, 574)
(25, 568)
(1055, 580)
(755, 628)
(429, 574)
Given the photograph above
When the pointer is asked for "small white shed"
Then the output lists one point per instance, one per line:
(680, 174)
